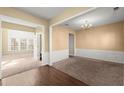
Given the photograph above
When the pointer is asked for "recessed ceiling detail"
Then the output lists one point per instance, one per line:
(99, 16)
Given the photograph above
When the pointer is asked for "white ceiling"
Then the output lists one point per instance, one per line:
(100, 16)
(43, 12)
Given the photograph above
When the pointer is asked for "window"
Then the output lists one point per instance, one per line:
(23, 44)
(14, 45)
(30, 45)
(20, 41)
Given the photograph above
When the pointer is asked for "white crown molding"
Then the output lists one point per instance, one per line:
(19, 21)
(76, 15)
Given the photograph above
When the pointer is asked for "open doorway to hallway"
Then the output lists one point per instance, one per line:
(71, 45)
(39, 44)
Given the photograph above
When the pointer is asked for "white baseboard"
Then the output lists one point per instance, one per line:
(59, 55)
(45, 60)
(112, 56)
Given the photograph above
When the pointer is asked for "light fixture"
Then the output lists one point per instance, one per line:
(116, 8)
(66, 24)
(86, 25)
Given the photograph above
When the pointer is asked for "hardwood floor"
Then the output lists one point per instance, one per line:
(17, 63)
(45, 75)
(94, 72)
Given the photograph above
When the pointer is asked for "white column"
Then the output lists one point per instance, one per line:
(0, 46)
(35, 47)
(37, 41)
(50, 46)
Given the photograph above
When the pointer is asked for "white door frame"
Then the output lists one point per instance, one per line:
(1, 48)
(51, 29)
(9, 19)
(35, 49)
(39, 51)
(73, 43)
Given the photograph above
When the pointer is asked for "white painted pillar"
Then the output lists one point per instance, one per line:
(0, 47)
(50, 46)
(35, 47)
(36, 43)
(40, 31)
(44, 54)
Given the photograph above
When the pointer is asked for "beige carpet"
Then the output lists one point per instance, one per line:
(93, 72)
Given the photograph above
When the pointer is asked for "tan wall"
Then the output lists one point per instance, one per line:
(69, 12)
(4, 41)
(60, 37)
(25, 16)
(107, 37)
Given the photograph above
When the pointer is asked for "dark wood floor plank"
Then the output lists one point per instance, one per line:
(45, 75)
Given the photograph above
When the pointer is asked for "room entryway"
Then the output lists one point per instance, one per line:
(39, 44)
(21, 51)
(71, 45)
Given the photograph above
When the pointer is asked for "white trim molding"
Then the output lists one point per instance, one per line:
(18, 21)
(50, 45)
(112, 56)
(59, 55)
(0, 40)
(78, 14)
(0, 48)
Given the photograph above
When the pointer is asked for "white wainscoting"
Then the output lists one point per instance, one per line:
(59, 55)
(45, 60)
(113, 56)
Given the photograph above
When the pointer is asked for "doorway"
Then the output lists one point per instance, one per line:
(71, 45)
(39, 46)
(18, 51)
